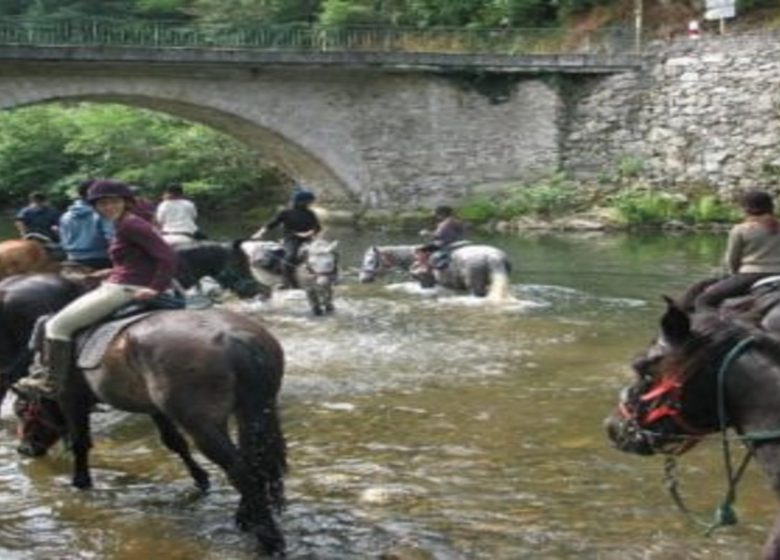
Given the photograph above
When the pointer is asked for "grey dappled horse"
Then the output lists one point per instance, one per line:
(316, 271)
(480, 270)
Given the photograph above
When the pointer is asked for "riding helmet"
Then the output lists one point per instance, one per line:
(302, 196)
(105, 188)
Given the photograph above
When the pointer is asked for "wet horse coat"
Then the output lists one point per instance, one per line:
(190, 370)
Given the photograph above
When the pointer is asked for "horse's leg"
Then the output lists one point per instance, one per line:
(263, 447)
(174, 441)
(76, 410)
(254, 513)
(477, 280)
(327, 296)
(314, 300)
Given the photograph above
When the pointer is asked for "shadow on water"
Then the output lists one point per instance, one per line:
(424, 425)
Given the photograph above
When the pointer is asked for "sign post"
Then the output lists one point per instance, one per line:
(638, 26)
(720, 10)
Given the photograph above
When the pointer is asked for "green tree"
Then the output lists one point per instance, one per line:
(32, 151)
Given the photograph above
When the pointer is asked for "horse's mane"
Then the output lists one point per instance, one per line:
(713, 338)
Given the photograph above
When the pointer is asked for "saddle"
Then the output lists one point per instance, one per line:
(90, 344)
(270, 258)
(441, 258)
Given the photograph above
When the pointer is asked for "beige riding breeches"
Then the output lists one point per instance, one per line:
(88, 309)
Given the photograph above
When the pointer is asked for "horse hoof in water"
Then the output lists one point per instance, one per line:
(82, 482)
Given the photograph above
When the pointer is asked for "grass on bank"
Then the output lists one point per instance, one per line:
(625, 204)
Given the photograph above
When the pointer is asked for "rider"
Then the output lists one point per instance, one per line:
(448, 231)
(38, 217)
(84, 234)
(143, 267)
(176, 214)
(300, 224)
(752, 253)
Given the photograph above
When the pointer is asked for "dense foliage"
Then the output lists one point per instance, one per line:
(52, 147)
(417, 13)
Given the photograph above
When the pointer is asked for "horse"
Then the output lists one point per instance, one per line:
(316, 271)
(227, 263)
(378, 260)
(480, 270)
(189, 370)
(21, 256)
(705, 373)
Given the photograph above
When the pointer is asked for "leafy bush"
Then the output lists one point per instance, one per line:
(710, 208)
(479, 210)
(647, 207)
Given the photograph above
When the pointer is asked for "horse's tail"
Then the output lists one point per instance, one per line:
(261, 441)
(499, 280)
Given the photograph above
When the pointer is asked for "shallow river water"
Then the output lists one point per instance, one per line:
(424, 425)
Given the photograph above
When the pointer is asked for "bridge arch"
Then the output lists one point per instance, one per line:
(273, 145)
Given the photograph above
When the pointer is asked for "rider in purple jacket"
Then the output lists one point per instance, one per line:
(143, 267)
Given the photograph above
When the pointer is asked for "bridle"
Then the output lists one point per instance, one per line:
(663, 400)
(33, 418)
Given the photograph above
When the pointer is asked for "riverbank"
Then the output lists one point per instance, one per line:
(560, 204)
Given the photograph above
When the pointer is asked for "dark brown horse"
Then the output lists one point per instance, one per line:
(23, 256)
(190, 370)
(705, 374)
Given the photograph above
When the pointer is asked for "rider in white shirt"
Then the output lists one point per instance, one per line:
(177, 215)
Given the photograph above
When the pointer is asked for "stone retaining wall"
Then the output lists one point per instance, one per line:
(703, 111)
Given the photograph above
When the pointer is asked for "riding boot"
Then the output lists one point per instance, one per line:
(50, 370)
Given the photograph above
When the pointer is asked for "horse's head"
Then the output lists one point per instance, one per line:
(236, 274)
(320, 260)
(41, 424)
(671, 403)
(371, 265)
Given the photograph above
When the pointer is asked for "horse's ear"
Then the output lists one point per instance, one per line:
(675, 324)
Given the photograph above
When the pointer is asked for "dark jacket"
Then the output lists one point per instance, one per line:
(295, 220)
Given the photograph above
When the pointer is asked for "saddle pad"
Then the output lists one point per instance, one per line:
(91, 344)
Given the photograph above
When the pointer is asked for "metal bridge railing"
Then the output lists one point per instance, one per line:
(314, 38)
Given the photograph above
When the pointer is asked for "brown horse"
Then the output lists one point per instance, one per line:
(191, 370)
(21, 256)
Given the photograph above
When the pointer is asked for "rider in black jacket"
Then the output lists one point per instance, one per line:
(299, 225)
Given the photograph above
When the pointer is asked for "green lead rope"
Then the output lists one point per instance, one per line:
(724, 514)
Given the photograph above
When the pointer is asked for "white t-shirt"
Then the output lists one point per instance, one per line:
(177, 215)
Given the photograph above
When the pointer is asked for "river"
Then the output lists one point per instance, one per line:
(425, 426)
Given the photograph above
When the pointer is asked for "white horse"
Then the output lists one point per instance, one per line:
(316, 271)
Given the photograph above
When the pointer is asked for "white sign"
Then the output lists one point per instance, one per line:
(720, 9)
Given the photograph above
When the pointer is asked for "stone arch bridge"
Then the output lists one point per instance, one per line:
(366, 130)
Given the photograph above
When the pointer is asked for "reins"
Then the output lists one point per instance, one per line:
(724, 514)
